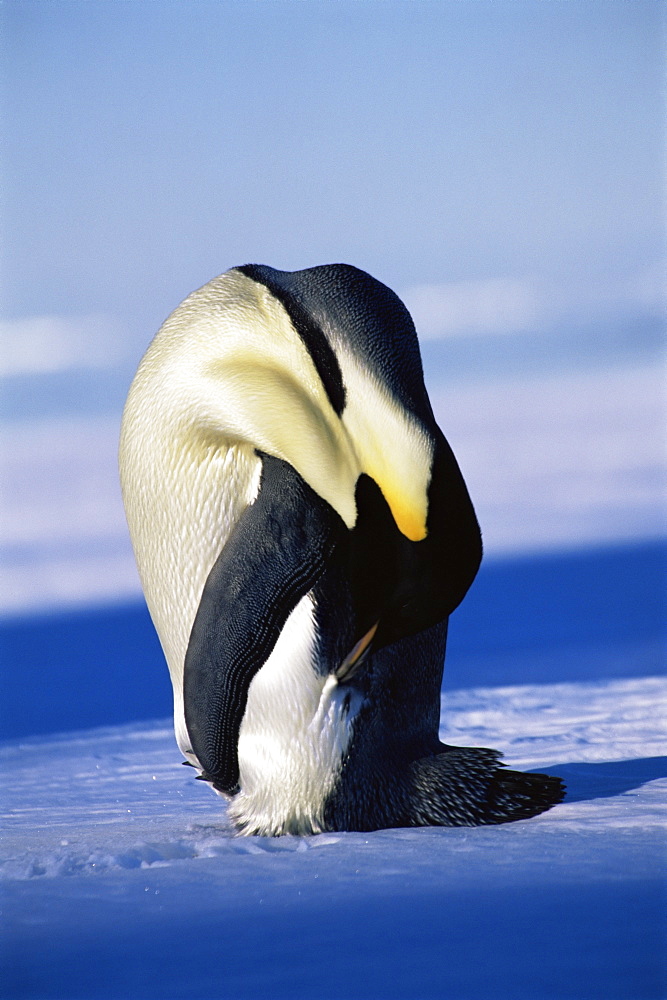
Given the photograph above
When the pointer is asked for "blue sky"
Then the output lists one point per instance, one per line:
(499, 164)
(152, 145)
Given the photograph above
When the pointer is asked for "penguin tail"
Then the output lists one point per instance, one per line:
(519, 795)
(470, 786)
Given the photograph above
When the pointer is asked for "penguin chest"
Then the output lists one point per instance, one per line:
(294, 735)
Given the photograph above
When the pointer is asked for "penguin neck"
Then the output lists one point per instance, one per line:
(294, 735)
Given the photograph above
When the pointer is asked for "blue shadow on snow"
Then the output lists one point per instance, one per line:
(606, 779)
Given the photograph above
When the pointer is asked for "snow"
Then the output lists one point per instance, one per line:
(123, 878)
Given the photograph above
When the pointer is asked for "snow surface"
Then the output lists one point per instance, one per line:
(123, 879)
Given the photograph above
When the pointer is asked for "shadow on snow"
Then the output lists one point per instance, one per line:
(608, 778)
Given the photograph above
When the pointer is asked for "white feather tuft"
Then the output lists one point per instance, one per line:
(295, 731)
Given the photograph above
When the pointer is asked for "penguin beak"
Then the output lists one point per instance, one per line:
(354, 658)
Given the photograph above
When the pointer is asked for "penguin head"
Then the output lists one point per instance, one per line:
(413, 544)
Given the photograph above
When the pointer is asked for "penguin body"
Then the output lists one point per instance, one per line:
(302, 532)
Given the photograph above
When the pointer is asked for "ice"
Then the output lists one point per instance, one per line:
(123, 878)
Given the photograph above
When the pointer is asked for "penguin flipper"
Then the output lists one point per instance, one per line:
(278, 550)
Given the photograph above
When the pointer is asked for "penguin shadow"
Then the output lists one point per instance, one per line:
(606, 779)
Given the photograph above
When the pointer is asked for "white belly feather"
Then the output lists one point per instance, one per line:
(295, 731)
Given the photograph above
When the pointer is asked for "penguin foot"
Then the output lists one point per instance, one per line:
(467, 786)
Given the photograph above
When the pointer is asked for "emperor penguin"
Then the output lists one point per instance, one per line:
(303, 532)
